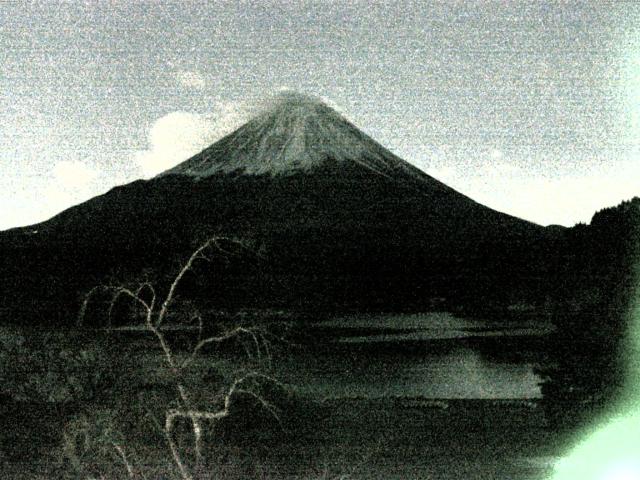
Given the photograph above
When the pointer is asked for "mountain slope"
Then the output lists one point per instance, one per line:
(343, 223)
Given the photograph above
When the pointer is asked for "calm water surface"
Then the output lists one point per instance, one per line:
(403, 356)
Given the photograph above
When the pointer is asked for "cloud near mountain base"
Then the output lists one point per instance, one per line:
(179, 135)
(562, 200)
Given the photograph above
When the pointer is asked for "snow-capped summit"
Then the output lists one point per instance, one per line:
(294, 133)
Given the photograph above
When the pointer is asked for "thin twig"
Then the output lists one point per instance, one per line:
(218, 339)
(174, 285)
(123, 457)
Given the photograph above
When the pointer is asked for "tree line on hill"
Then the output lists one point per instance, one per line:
(597, 279)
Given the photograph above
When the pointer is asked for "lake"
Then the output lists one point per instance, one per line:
(430, 356)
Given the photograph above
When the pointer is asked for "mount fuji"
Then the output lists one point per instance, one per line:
(342, 222)
(296, 133)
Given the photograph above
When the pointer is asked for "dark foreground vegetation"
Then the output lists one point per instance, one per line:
(597, 283)
(67, 424)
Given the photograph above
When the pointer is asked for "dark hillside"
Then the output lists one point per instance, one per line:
(342, 224)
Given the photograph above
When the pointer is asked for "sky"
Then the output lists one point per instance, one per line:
(531, 108)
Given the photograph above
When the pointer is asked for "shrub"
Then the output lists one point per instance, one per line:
(54, 367)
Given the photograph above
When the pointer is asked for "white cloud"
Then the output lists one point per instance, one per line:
(180, 135)
(568, 200)
(496, 154)
(69, 183)
(57, 199)
(443, 173)
(191, 79)
(73, 175)
(563, 199)
(73, 182)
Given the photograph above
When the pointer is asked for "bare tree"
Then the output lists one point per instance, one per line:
(155, 311)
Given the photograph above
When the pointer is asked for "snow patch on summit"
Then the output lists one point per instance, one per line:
(294, 133)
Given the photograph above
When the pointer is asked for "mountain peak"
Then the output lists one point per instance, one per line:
(295, 132)
(296, 104)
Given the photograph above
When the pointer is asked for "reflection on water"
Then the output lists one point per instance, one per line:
(460, 374)
(460, 371)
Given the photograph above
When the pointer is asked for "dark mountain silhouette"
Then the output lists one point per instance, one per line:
(343, 224)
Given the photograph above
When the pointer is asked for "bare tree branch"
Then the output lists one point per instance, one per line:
(117, 292)
(123, 457)
(121, 291)
(219, 339)
(155, 317)
(187, 266)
